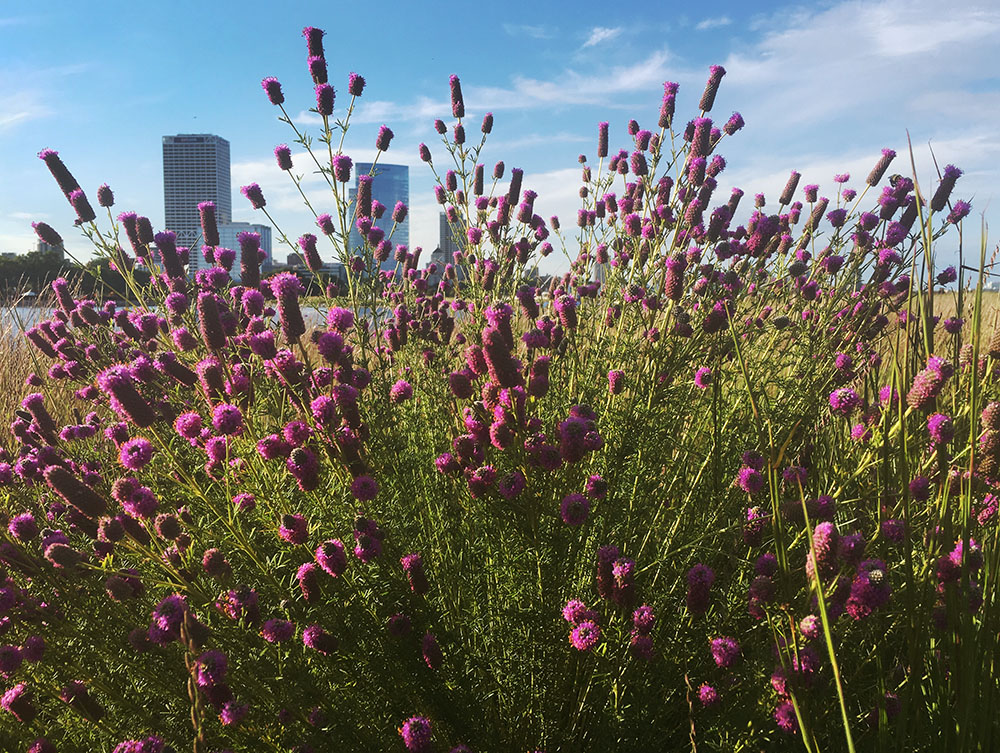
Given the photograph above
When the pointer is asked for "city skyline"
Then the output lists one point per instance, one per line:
(792, 71)
(196, 168)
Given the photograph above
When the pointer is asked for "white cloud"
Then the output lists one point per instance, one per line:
(713, 23)
(572, 87)
(602, 34)
(19, 108)
(525, 30)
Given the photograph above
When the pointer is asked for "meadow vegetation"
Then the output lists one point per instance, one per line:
(729, 483)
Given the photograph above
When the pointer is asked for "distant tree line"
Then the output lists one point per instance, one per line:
(29, 275)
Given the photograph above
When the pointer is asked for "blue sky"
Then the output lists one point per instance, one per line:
(823, 87)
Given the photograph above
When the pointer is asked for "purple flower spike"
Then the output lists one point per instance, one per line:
(254, 195)
(355, 85)
(272, 86)
(457, 103)
(324, 99)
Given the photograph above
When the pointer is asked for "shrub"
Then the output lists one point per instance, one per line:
(669, 498)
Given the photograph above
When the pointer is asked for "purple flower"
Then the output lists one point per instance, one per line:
(23, 527)
(707, 695)
(227, 419)
(585, 635)
(413, 566)
(941, 428)
(294, 529)
(416, 734)
(316, 638)
(136, 453)
(750, 480)
(211, 668)
(384, 137)
(324, 101)
(716, 72)
(703, 378)
(431, 651)
(725, 651)
(283, 155)
(18, 701)
(342, 168)
(893, 530)
(920, 488)
(844, 401)
(700, 579)
(888, 155)
(364, 488)
(574, 509)
(457, 103)
(784, 717)
(400, 392)
(616, 381)
(734, 124)
(643, 619)
(331, 556)
(277, 631)
(355, 84)
(272, 86)
(47, 234)
(959, 211)
(233, 713)
(254, 195)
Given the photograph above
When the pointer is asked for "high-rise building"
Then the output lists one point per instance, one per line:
(448, 238)
(228, 232)
(195, 169)
(390, 184)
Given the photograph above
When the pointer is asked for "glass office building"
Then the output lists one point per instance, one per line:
(390, 184)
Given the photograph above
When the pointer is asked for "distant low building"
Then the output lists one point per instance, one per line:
(45, 248)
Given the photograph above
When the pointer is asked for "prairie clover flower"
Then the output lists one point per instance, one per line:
(272, 87)
(431, 651)
(331, 556)
(457, 102)
(750, 480)
(703, 378)
(959, 211)
(585, 635)
(413, 566)
(400, 392)
(316, 638)
(928, 383)
(643, 619)
(294, 529)
(277, 630)
(700, 579)
(324, 103)
(940, 428)
(364, 488)
(19, 702)
(574, 509)
(725, 651)
(227, 419)
(616, 381)
(416, 734)
(707, 695)
(844, 401)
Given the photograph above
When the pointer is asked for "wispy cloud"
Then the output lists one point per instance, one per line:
(602, 34)
(571, 87)
(19, 108)
(713, 23)
(525, 30)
